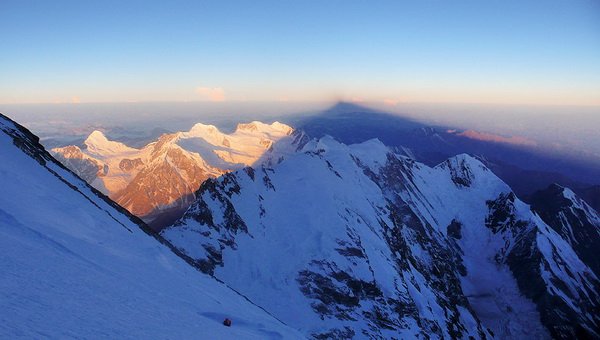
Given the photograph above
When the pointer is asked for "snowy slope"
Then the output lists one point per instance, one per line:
(161, 177)
(357, 241)
(76, 265)
(573, 219)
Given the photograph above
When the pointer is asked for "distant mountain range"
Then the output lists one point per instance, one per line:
(299, 236)
(158, 181)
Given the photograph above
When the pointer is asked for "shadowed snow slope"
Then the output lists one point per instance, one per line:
(357, 241)
(75, 265)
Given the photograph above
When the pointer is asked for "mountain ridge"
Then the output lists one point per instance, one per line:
(160, 179)
(372, 243)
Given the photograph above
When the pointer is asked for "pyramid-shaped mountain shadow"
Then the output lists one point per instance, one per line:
(525, 168)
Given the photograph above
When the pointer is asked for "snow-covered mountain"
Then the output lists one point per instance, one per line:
(76, 265)
(160, 179)
(516, 158)
(317, 239)
(573, 219)
(358, 241)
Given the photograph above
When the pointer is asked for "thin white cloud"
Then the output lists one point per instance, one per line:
(214, 94)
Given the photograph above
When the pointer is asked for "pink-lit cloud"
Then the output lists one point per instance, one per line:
(214, 94)
(391, 102)
(490, 137)
(75, 100)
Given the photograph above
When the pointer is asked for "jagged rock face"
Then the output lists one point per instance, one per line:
(169, 183)
(357, 241)
(459, 171)
(127, 164)
(535, 255)
(573, 219)
(161, 178)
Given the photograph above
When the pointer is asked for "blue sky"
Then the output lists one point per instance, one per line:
(517, 52)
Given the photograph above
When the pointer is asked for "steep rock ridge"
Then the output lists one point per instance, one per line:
(166, 181)
(75, 264)
(358, 241)
(573, 219)
(160, 179)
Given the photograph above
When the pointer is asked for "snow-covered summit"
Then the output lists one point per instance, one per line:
(98, 145)
(466, 170)
(208, 132)
(95, 137)
(256, 126)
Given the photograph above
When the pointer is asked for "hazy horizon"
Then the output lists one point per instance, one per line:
(568, 130)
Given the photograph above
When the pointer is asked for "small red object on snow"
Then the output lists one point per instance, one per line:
(227, 322)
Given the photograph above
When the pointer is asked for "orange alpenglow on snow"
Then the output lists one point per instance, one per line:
(490, 137)
(162, 176)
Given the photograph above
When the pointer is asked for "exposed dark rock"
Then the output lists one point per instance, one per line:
(336, 334)
(127, 164)
(454, 229)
